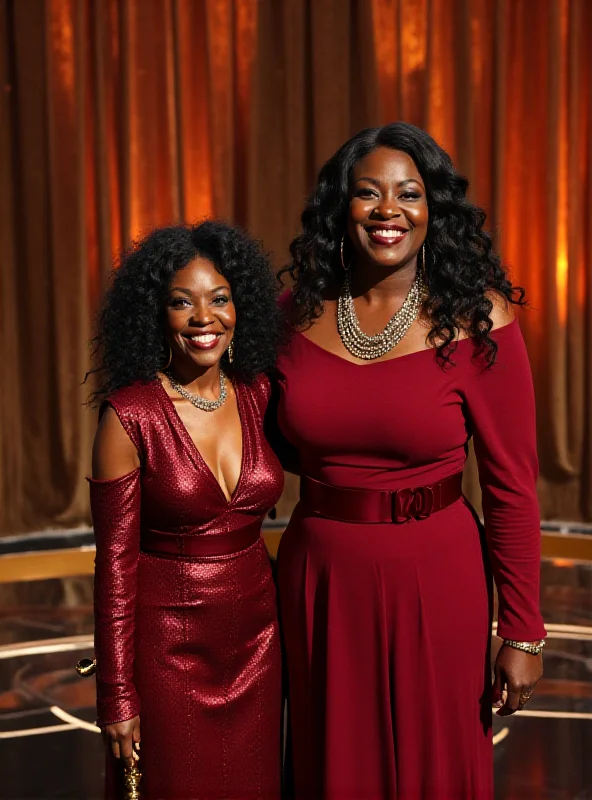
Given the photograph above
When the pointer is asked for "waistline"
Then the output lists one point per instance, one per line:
(187, 544)
(379, 506)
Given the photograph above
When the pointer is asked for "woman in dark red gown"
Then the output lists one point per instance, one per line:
(384, 570)
(186, 627)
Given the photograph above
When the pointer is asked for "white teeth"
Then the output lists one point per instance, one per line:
(389, 233)
(204, 338)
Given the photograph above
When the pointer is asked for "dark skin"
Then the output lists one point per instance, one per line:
(200, 319)
(388, 199)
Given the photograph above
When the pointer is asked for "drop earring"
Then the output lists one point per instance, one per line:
(345, 269)
(424, 263)
(168, 364)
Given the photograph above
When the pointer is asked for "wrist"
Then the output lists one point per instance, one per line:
(533, 648)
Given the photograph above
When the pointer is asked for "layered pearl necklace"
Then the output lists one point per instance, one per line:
(369, 347)
(195, 399)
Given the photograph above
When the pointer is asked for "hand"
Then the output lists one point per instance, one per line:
(124, 739)
(516, 675)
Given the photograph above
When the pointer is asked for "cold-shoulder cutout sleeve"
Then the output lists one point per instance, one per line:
(501, 414)
(128, 419)
(115, 507)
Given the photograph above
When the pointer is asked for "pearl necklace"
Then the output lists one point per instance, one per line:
(367, 347)
(196, 400)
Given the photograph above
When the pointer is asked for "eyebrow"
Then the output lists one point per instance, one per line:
(188, 292)
(377, 183)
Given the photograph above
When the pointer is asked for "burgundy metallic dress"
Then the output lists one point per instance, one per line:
(387, 626)
(190, 642)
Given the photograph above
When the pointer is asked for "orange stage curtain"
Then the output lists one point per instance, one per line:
(118, 115)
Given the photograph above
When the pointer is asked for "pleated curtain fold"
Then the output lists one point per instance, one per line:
(119, 115)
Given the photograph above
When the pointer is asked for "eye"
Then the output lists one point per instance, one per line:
(411, 195)
(221, 300)
(366, 193)
(179, 302)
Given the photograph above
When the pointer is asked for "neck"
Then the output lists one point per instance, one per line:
(198, 380)
(374, 284)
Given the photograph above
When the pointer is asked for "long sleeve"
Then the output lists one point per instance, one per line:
(501, 413)
(115, 506)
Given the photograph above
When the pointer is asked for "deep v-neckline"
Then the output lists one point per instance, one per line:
(193, 451)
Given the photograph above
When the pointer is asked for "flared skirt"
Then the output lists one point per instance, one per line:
(387, 632)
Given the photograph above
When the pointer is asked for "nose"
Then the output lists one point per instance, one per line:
(387, 208)
(202, 315)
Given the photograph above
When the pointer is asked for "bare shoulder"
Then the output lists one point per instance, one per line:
(502, 312)
(114, 454)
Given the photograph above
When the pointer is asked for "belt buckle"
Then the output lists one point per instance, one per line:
(408, 504)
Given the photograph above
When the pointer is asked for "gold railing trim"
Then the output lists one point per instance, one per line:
(78, 561)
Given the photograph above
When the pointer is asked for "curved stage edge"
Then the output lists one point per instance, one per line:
(49, 747)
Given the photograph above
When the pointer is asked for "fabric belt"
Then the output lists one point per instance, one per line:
(375, 505)
(191, 544)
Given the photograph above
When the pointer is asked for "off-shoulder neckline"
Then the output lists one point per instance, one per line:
(494, 332)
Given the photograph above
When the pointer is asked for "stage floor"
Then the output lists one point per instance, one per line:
(50, 749)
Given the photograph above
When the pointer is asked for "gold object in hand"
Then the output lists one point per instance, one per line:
(131, 782)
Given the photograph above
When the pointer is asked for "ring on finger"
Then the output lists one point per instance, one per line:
(524, 698)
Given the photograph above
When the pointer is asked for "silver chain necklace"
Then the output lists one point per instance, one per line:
(196, 400)
(367, 347)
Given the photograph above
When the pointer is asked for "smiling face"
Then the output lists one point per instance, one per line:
(199, 315)
(388, 213)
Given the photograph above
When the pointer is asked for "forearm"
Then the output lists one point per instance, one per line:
(116, 513)
(514, 542)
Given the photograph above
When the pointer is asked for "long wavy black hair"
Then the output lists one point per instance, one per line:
(130, 343)
(462, 269)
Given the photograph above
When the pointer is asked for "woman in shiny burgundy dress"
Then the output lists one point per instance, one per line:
(186, 638)
(404, 346)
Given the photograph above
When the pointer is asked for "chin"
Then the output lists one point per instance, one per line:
(206, 360)
(385, 260)
(392, 260)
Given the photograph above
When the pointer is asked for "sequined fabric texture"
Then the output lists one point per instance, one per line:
(189, 643)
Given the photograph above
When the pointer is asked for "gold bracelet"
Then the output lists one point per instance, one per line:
(534, 648)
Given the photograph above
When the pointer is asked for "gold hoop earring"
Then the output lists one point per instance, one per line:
(345, 269)
(168, 364)
(231, 351)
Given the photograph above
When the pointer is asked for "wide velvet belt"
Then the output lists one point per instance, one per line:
(188, 544)
(376, 505)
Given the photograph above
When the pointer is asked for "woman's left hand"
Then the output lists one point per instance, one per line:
(517, 673)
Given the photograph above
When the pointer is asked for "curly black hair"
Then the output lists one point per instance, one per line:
(130, 344)
(462, 269)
